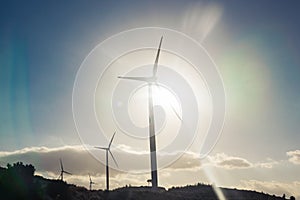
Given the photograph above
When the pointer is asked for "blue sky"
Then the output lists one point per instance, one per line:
(255, 44)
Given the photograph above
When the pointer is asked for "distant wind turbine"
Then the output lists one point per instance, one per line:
(91, 182)
(107, 149)
(149, 181)
(152, 80)
(61, 176)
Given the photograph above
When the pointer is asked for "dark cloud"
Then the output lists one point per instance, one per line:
(81, 161)
(75, 159)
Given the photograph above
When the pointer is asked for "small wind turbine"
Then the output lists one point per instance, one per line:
(107, 149)
(91, 182)
(149, 181)
(151, 80)
(61, 176)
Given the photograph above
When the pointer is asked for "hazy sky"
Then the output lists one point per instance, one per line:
(255, 45)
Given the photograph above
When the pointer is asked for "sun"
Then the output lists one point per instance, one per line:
(167, 99)
(163, 97)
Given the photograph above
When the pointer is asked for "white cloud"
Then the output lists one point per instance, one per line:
(269, 164)
(271, 187)
(188, 160)
(294, 156)
(229, 162)
(225, 161)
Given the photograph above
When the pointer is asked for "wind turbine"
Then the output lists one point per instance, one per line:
(91, 182)
(149, 181)
(151, 80)
(61, 176)
(107, 149)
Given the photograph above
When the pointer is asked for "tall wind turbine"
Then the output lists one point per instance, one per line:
(62, 171)
(151, 80)
(107, 149)
(91, 182)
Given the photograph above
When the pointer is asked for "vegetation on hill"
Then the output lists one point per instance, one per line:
(17, 181)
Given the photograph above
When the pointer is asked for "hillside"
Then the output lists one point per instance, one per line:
(18, 182)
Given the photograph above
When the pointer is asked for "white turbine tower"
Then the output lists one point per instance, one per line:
(62, 171)
(107, 149)
(151, 80)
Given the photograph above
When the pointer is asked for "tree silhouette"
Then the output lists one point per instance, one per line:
(16, 182)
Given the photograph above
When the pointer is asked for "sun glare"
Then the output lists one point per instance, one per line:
(162, 97)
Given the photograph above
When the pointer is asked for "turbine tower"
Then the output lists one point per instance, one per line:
(62, 171)
(151, 80)
(107, 149)
(91, 182)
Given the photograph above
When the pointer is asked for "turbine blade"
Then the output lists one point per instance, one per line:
(61, 165)
(145, 79)
(90, 178)
(111, 140)
(176, 113)
(157, 57)
(113, 158)
(67, 172)
(172, 107)
(103, 148)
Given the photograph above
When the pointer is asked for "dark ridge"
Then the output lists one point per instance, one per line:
(18, 181)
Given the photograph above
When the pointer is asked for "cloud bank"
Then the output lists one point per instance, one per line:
(80, 162)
